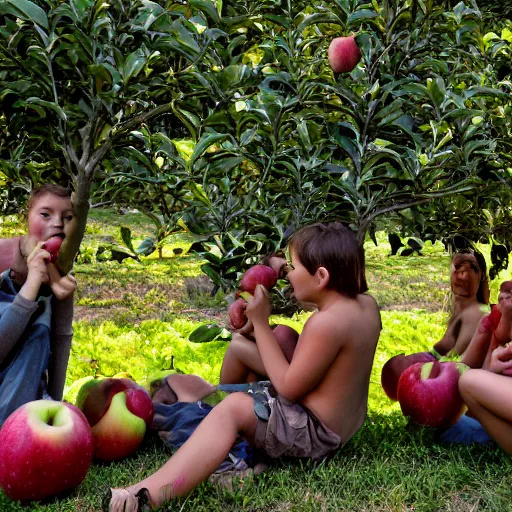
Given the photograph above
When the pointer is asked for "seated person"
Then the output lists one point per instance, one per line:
(470, 291)
(485, 351)
(36, 304)
(322, 393)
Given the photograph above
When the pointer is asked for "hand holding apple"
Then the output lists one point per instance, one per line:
(52, 245)
(429, 393)
(501, 360)
(46, 448)
(118, 411)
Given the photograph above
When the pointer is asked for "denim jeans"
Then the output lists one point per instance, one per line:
(466, 430)
(21, 373)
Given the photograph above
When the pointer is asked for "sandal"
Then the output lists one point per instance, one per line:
(121, 500)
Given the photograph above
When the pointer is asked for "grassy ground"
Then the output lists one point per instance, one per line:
(135, 317)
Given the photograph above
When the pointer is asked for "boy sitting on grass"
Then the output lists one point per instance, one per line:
(322, 393)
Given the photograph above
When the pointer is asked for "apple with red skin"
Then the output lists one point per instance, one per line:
(428, 393)
(52, 245)
(46, 448)
(258, 274)
(343, 54)
(394, 367)
(287, 337)
(236, 313)
(118, 411)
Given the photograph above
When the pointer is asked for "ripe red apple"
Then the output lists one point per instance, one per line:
(236, 313)
(287, 337)
(118, 411)
(429, 393)
(52, 245)
(343, 54)
(259, 274)
(394, 367)
(46, 448)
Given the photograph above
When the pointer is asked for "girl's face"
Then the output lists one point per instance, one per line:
(51, 215)
(466, 275)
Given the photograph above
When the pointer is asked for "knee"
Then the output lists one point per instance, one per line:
(467, 382)
(239, 406)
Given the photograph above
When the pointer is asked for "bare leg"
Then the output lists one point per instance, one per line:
(488, 398)
(242, 362)
(202, 454)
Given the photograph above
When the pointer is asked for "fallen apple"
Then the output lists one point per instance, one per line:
(428, 393)
(343, 54)
(258, 274)
(46, 448)
(394, 367)
(53, 245)
(118, 411)
(287, 337)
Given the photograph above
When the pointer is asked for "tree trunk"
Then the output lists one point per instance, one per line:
(71, 245)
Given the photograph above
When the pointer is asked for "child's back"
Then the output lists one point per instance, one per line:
(349, 330)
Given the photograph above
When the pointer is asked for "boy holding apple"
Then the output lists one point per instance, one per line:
(36, 303)
(322, 393)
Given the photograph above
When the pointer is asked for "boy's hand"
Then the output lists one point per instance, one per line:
(37, 265)
(505, 306)
(501, 360)
(259, 309)
(62, 286)
(247, 330)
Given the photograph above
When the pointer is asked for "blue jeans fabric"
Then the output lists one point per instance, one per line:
(20, 380)
(21, 371)
(466, 430)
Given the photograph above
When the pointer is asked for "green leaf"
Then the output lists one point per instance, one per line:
(126, 235)
(147, 247)
(31, 10)
(205, 333)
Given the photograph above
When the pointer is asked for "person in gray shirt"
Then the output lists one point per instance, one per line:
(36, 304)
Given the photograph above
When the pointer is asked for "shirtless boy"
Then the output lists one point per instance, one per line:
(470, 291)
(322, 392)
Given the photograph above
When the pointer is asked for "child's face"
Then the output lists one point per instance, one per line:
(466, 275)
(299, 277)
(51, 215)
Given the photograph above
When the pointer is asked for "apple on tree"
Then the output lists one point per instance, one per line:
(118, 411)
(343, 54)
(46, 448)
(394, 367)
(428, 393)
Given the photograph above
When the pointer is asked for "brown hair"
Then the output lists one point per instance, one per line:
(38, 192)
(335, 247)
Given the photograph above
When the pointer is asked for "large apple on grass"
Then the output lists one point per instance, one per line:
(118, 411)
(429, 393)
(394, 367)
(46, 448)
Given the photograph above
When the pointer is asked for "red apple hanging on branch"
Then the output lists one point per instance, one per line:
(428, 393)
(343, 54)
(46, 448)
(118, 411)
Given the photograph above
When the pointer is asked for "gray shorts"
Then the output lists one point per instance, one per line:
(293, 431)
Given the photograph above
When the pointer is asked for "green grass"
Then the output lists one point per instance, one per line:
(134, 317)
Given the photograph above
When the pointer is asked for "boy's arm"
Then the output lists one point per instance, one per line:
(62, 334)
(503, 331)
(316, 351)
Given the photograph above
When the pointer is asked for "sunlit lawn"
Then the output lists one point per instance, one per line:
(134, 317)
